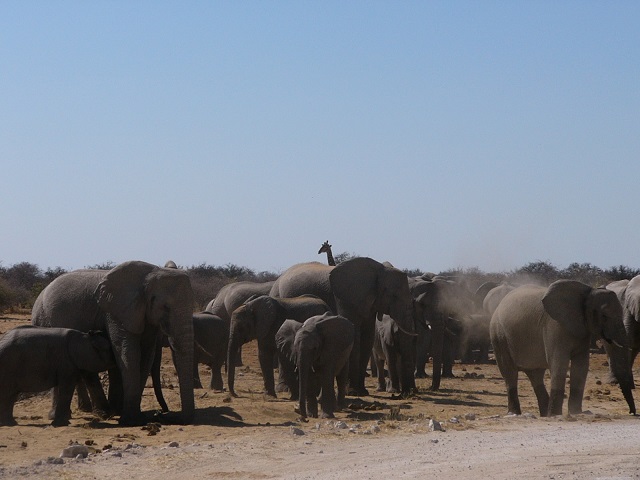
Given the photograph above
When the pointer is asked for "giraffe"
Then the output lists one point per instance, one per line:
(327, 248)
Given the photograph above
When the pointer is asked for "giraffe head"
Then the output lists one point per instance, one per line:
(325, 247)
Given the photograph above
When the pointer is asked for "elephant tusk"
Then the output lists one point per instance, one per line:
(617, 344)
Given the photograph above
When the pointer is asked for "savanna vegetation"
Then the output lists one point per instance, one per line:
(21, 283)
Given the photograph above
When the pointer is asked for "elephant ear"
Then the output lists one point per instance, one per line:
(264, 310)
(285, 337)
(355, 282)
(565, 303)
(121, 294)
(631, 301)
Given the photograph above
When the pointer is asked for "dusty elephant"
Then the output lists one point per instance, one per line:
(132, 303)
(320, 349)
(259, 319)
(535, 329)
(441, 304)
(34, 359)
(474, 335)
(357, 289)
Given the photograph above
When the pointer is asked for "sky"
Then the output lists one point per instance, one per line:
(430, 134)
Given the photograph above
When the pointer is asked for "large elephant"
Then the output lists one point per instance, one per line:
(259, 319)
(320, 349)
(35, 359)
(535, 329)
(132, 303)
(357, 289)
(628, 292)
(441, 304)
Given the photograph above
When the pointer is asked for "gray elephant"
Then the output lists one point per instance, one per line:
(535, 329)
(133, 303)
(34, 359)
(628, 292)
(441, 304)
(259, 319)
(398, 350)
(211, 339)
(357, 289)
(320, 349)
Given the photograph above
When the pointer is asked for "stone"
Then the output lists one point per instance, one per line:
(72, 451)
(435, 426)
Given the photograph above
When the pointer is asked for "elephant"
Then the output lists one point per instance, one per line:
(211, 338)
(320, 348)
(133, 303)
(259, 319)
(535, 329)
(494, 296)
(441, 304)
(232, 295)
(357, 289)
(474, 335)
(34, 359)
(398, 350)
(628, 292)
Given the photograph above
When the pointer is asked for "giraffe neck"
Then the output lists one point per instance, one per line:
(330, 259)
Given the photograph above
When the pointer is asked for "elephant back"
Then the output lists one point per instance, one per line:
(310, 278)
(69, 301)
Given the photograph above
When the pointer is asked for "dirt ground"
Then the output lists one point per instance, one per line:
(376, 437)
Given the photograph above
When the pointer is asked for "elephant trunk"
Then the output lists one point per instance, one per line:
(620, 362)
(182, 344)
(437, 341)
(235, 342)
(304, 370)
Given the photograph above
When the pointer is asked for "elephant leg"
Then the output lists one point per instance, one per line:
(7, 401)
(448, 355)
(314, 392)
(84, 402)
(328, 394)
(62, 413)
(342, 380)
(393, 365)
(372, 365)
(422, 352)
(577, 382)
(96, 394)
(287, 376)
(362, 343)
(509, 372)
(265, 358)
(536, 377)
(216, 377)
(558, 379)
(115, 391)
(379, 361)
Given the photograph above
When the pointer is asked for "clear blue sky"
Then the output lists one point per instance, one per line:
(429, 134)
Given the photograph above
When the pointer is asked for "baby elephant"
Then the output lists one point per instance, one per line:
(320, 349)
(34, 359)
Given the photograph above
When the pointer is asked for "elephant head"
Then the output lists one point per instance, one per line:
(439, 301)
(141, 298)
(368, 286)
(90, 352)
(252, 320)
(583, 311)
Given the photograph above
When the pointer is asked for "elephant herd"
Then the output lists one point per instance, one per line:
(321, 325)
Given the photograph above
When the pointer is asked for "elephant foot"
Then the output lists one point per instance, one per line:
(421, 375)
(60, 422)
(294, 397)
(328, 415)
(101, 414)
(8, 422)
(358, 392)
(380, 389)
(271, 394)
(448, 375)
(282, 388)
(132, 420)
(611, 379)
(197, 384)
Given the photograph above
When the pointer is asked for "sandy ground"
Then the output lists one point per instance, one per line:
(378, 436)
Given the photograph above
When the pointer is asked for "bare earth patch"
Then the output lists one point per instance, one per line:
(379, 436)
